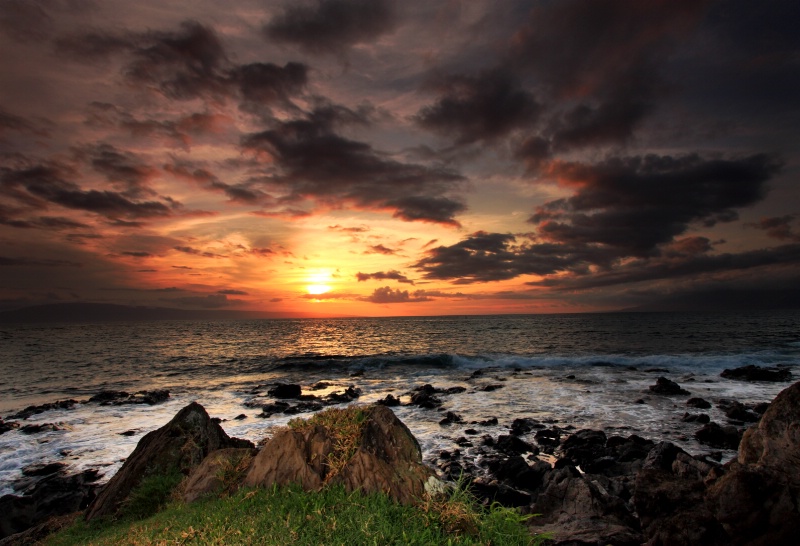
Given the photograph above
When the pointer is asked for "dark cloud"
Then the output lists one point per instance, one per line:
(482, 107)
(197, 252)
(232, 292)
(331, 26)
(310, 160)
(381, 249)
(384, 275)
(11, 122)
(124, 170)
(136, 254)
(45, 184)
(635, 204)
(36, 262)
(387, 295)
(353, 229)
(778, 227)
(240, 193)
(266, 84)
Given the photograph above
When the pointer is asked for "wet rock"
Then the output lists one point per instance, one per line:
(492, 421)
(701, 418)
(179, 445)
(576, 511)
(666, 387)
(5, 426)
(524, 425)
(450, 418)
(302, 407)
(425, 399)
(669, 499)
(513, 445)
(585, 446)
(285, 390)
(490, 388)
(389, 401)
(56, 493)
(503, 494)
(632, 448)
(548, 437)
(268, 410)
(516, 472)
(470, 431)
(723, 437)
(698, 403)
(348, 395)
(319, 385)
(39, 428)
(118, 398)
(35, 410)
(463, 442)
(240, 417)
(737, 411)
(757, 373)
(129, 433)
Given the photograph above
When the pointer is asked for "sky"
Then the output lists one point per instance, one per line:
(379, 158)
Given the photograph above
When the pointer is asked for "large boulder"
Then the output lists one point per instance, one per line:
(669, 499)
(756, 501)
(367, 449)
(180, 445)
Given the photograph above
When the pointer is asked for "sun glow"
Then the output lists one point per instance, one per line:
(318, 288)
(319, 282)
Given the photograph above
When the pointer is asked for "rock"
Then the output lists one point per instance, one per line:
(512, 445)
(34, 410)
(756, 500)
(387, 458)
(348, 395)
(268, 410)
(669, 499)
(284, 390)
(425, 400)
(450, 418)
(389, 401)
(738, 412)
(38, 428)
(490, 388)
(757, 373)
(180, 445)
(666, 387)
(524, 425)
(548, 437)
(220, 472)
(698, 403)
(723, 437)
(240, 417)
(576, 511)
(54, 494)
(5, 426)
(119, 398)
(585, 446)
(500, 493)
(702, 418)
(490, 422)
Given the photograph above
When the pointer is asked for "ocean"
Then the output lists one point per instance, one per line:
(569, 371)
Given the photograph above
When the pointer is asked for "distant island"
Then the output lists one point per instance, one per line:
(105, 312)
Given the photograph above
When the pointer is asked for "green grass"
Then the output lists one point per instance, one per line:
(281, 516)
(151, 495)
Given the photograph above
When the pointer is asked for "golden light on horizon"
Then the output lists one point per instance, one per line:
(318, 288)
(318, 282)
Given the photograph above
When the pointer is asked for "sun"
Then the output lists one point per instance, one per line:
(318, 288)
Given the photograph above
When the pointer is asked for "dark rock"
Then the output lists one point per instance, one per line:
(490, 388)
(698, 403)
(492, 421)
(585, 446)
(43, 469)
(470, 431)
(574, 510)
(476, 373)
(548, 437)
(179, 445)
(714, 435)
(34, 410)
(268, 410)
(499, 493)
(426, 400)
(150, 397)
(240, 417)
(54, 494)
(757, 373)
(666, 387)
(453, 390)
(738, 411)
(632, 448)
(669, 499)
(450, 418)
(5, 426)
(463, 442)
(319, 385)
(348, 395)
(701, 418)
(38, 428)
(302, 407)
(389, 401)
(129, 433)
(512, 445)
(524, 425)
(118, 398)
(761, 407)
(285, 390)
(220, 472)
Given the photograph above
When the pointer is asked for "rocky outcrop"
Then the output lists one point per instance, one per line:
(45, 491)
(180, 445)
(667, 387)
(220, 472)
(757, 373)
(381, 456)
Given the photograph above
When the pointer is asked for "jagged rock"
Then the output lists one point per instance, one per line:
(698, 403)
(490, 388)
(54, 494)
(40, 427)
(348, 395)
(512, 445)
(5, 426)
(738, 411)
(118, 398)
(524, 425)
(756, 500)
(666, 387)
(668, 497)
(180, 445)
(757, 373)
(584, 447)
(450, 418)
(389, 401)
(34, 410)
(425, 399)
(576, 511)
(221, 470)
(284, 390)
(702, 418)
(715, 435)
(387, 459)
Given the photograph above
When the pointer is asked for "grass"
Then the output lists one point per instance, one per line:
(345, 427)
(151, 495)
(288, 515)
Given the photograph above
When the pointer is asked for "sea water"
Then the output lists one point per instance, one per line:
(570, 371)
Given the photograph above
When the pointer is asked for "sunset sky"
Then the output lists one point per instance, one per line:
(416, 157)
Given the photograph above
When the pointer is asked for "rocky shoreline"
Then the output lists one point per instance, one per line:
(587, 486)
